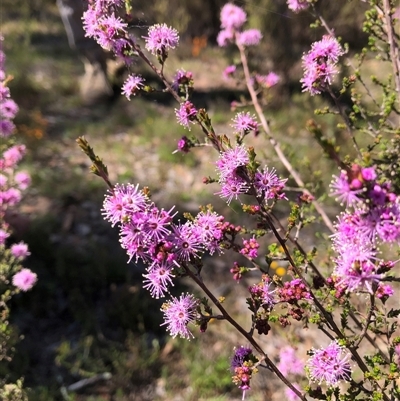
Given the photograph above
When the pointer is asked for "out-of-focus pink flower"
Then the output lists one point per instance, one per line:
(24, 279)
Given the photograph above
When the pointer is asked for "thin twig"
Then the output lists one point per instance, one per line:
(368, 320)
(393, 46)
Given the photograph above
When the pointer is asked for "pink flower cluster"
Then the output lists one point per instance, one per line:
(293, 291)
(102, 21)
(235, 181)
(320, 65)
(8, 108)
(250, 248)
(232, 21)
(12, 182)
(372, 217)
(242, 365)
(150, 234)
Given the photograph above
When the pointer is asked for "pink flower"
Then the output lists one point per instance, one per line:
(225, 37)
(244, 121)
(123, 201)
(330, 364)
(4, 91)
(320, 64)
(23, 180)
(13, 155)
(8, 109)
(20, 250)
(178, 313)
(161, 38)
(132, 85)
(3, 236)
(298, 5)
(184, 145)
(289, 362)
(368, 173)
(232, 17)
(110, 28)
(229, 71)
(158, 279)
(24, 279)
(250, 248)
(250, 37)
(182, 79)
(10, 197)
(267, 80)
(186, 114)
(6, 128)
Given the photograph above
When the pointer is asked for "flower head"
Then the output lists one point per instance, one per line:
(329, 365)
(182, 79)
(320, 64)
(229, 71)
(22, 179)
(289, 362)
(20, 250)
(178, 313)
(232, 17)
(186, 114)
(243, 367)
(123, 202)
(245, 122)
(161, 38)
(132, 85)
(250, 37)
(268, 80)
(24, 279)
(158, 279)
(298, 5)
(225, 37)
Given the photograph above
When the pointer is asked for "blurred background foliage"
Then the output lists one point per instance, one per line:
(88, 314)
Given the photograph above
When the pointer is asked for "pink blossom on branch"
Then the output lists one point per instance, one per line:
(319, 65)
